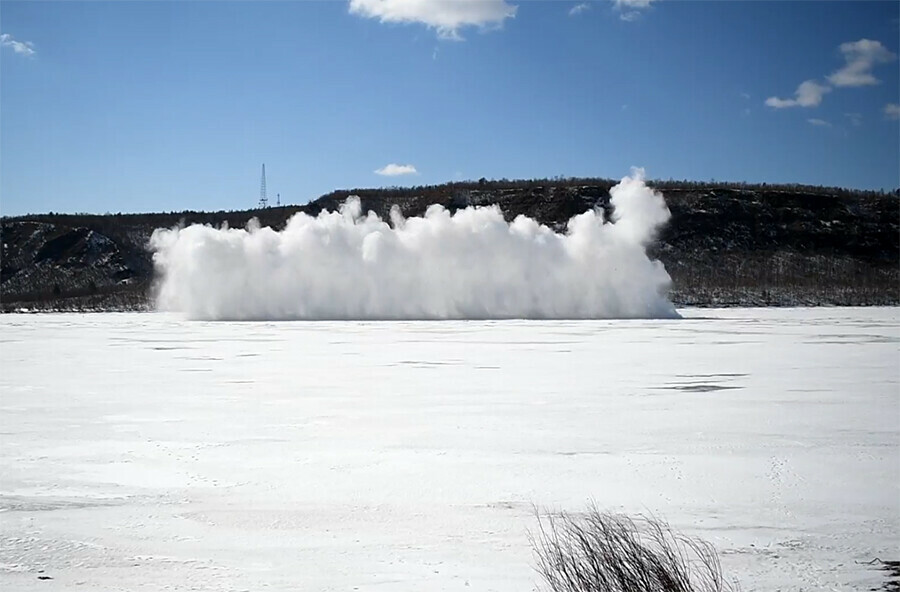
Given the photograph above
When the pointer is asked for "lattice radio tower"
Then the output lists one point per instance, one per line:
(263, 200)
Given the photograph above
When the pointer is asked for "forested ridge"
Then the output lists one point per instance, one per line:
(727, 244)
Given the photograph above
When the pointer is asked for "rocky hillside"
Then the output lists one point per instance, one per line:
(726, 244)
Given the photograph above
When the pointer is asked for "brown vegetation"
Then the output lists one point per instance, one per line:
(602, 552)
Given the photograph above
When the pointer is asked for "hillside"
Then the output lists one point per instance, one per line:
(727, 244)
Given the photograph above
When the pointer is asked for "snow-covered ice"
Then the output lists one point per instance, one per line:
(145, 452)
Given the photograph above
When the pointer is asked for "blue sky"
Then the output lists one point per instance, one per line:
(161, 106)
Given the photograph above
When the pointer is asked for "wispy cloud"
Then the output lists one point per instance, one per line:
(632, 4)
(819, 122)
(395, 170)
(579, 8)
(855, 118)
(892, 111)
(25, 48)
(446, 17)
(630, 10)
(808, 94)
(745, 96)
(861, 56)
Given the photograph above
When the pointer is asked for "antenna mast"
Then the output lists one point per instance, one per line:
(263, 200)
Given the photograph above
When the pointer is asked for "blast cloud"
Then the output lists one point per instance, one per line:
(469, 265)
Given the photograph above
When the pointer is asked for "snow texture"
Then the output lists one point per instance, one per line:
(469, 265)
(146, 452)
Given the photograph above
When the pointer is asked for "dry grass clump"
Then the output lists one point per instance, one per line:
(603, 552)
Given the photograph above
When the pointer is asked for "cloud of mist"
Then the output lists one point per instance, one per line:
(469, 265)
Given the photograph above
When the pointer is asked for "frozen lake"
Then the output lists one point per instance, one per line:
(144, 452)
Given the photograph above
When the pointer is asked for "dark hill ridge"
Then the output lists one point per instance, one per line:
(726, 244)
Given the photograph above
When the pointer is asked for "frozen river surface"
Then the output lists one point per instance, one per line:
(144, 452)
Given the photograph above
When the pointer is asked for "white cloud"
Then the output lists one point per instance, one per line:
(447, 17)
(892, 111)
(745, 96)
(579, 8)
(632, 4)
(350, 265)
(20, 47)
(861, 56)
(855, 118)
(629, 10)
(395, 170)
(819, 122)
(808, 94)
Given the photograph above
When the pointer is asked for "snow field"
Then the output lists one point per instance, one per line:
(146, 452)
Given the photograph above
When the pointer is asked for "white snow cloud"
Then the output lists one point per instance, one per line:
(447, 17)
(395, 170)
(21, 47)
(892, 111)
(579, 8)
(861, 56)
(630, 10)
(808, 94)
(468, 265)
(819, 122)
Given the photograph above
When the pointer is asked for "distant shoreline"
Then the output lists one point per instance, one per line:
(726, 245)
